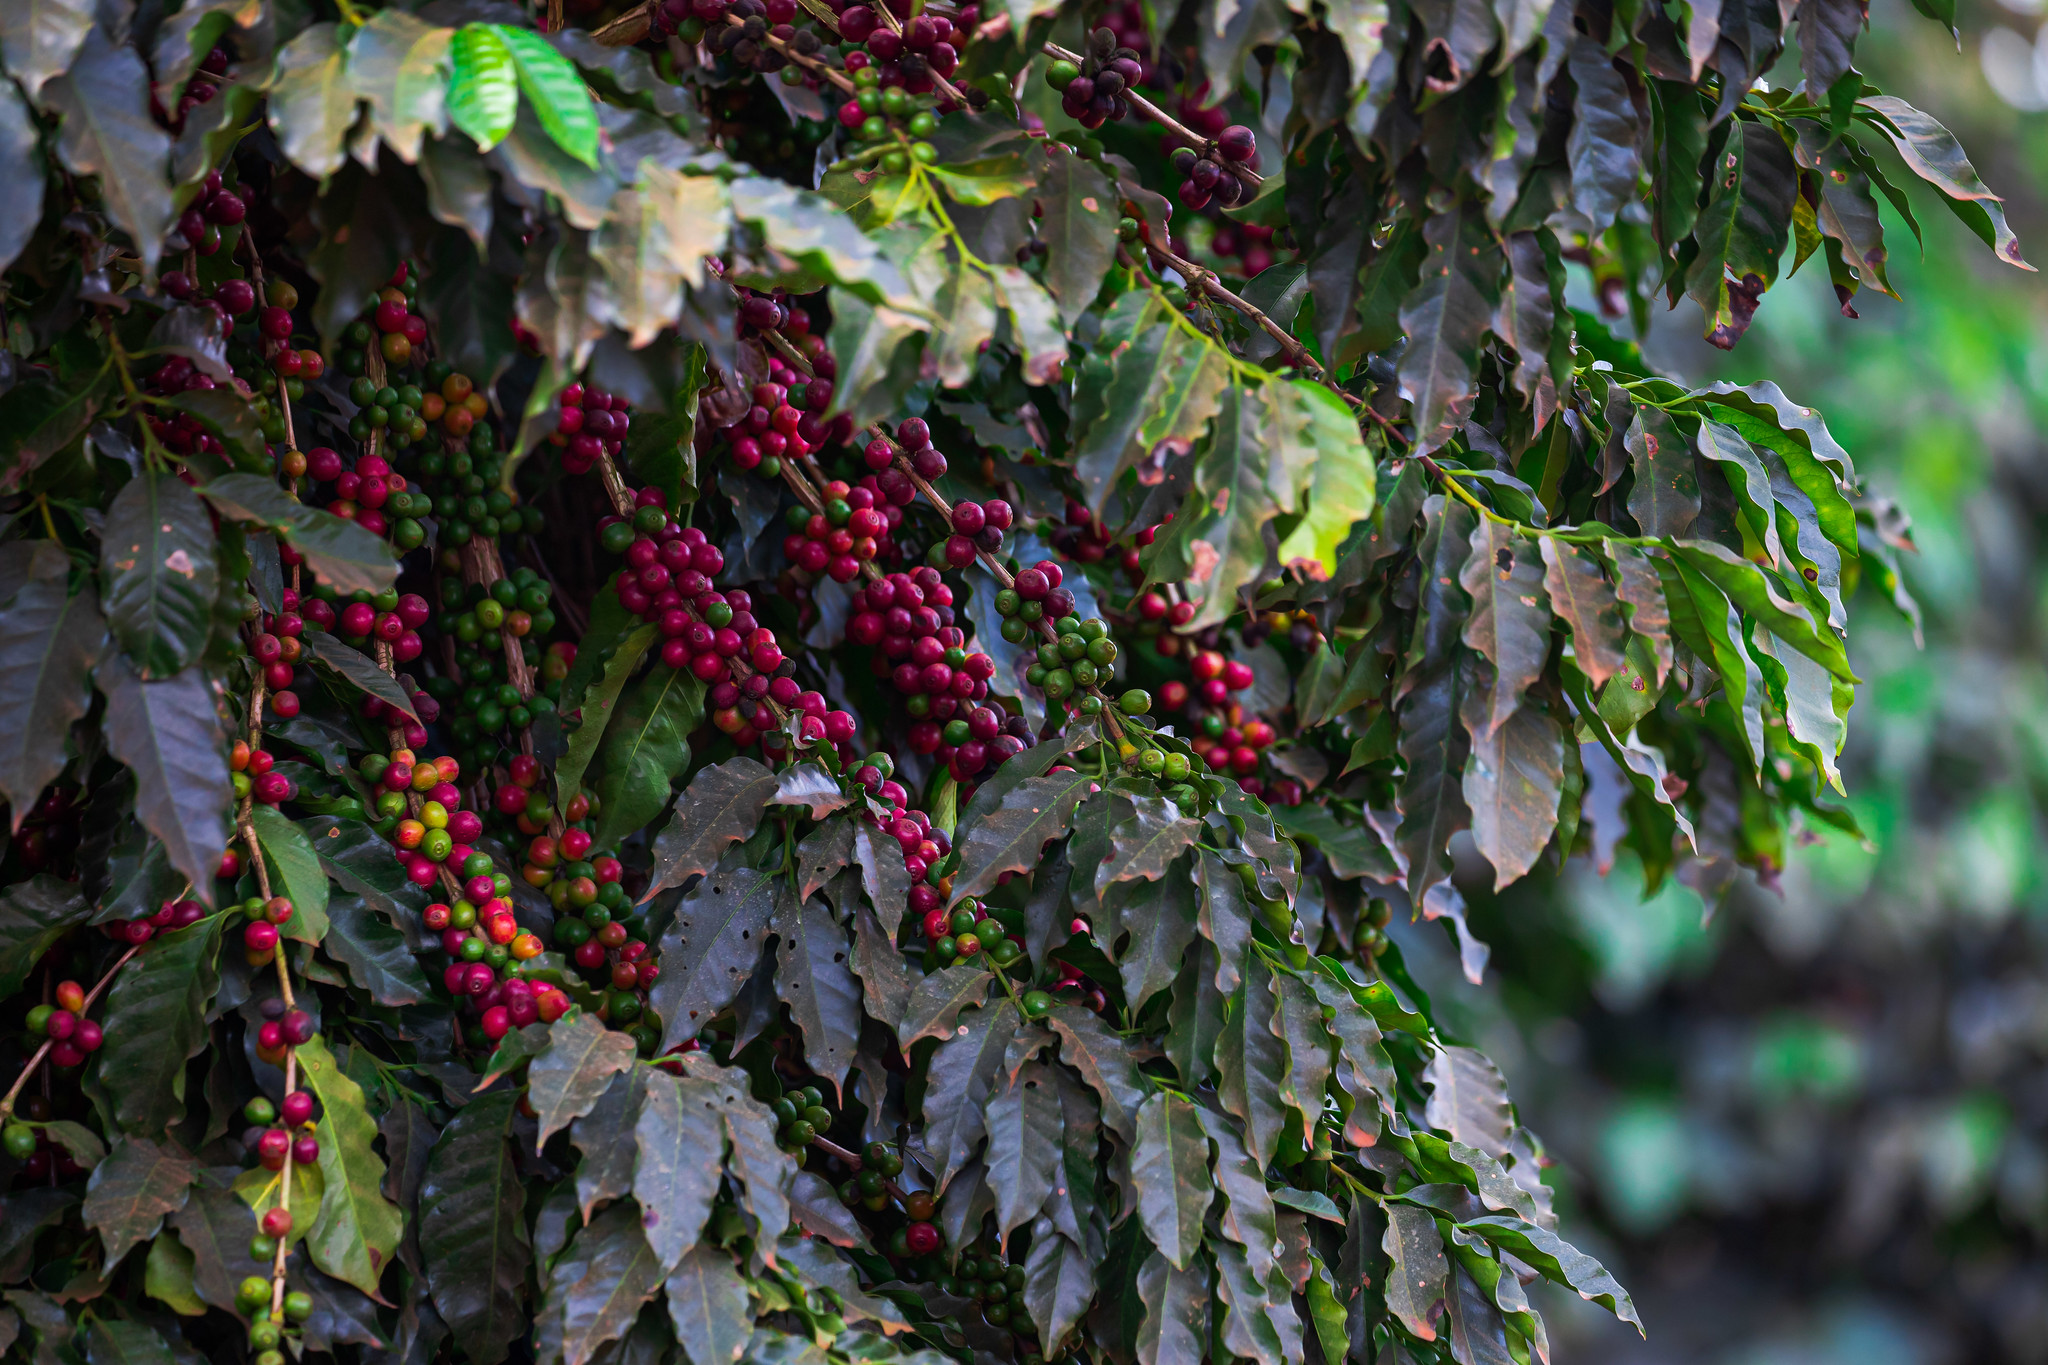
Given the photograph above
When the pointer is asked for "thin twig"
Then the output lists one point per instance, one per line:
(1165, 120)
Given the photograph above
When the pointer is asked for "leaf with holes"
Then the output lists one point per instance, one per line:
(722, 804)
(814, 979)
(1011, 838)
(1510, 620)
(564, 1082)
(711, 948)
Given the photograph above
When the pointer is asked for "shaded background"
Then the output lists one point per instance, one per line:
(1815, 1129)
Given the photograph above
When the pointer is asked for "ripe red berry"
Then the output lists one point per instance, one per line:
(277, 1222)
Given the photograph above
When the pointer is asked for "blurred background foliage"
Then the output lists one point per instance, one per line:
(1814, 1128)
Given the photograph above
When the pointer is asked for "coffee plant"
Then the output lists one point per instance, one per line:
(731, 679)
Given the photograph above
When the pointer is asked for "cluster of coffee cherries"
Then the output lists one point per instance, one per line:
(857, 527)
(1250, 244)
(252, 1300)
(599, 929)
(905, 55)
(479, 619)
(254, 774)
(982, 1274)
(260, 934)
(786, 417)
(1092, 93)
(1210, 174)
(590, 423)
(441, 833)
(1158, 619)
(463, 472)
(26, 1139)
(746, 43)
(1088, 539)
(200, 89)
(362, 617)
(392, 327)
(49, 836)
(870, 1189)
(1369, 939)
(278, 1132)
(73, 1037)
(213, 209)
(523, 803)
(482, 940)
(967, 928)
(876, 114)
(181, 433)
(801, 1118)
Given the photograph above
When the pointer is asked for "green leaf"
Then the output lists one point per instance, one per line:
(655, 241)
(339, 551)
(710, 950)
(957, 1084)
(108, 132)
(1468, 1099)
(1078, 229)
(1601, 148)
(1012, 837)
(1556, 1259)
(312, 103)
(812, 977)
(1477, 1335)
(483, 85)
(473, 1228)
(555, 91)
(1432, 740)
(722, 804)
(1170, 1169)
(646, 748)
(1741, 231)
(1933, 153)
(295, 873)
(1059, 1283)
(1250, 1059)
(1252, 1325)
(1146, 842)
(360, 862)
(811, 231)
(564, 1082)
(1298, 1023)
(1757, 592)
(358, 1228)
(597, 1287)
(359, 671)
(1745, 475)
(1175, 1326)
(679, 1139)
(1222, 546)
(884, 974)
(39, 39)
(1583, 598)
(1666, 498)
(1106, 1062)
(1641, 590)
(1025, 1130)
(1445, 318)
(216, 1228)
(21, 167)
(132, 1191)
(1415, 1284)
(936, 1001)
(1161, 927)
(598, 704)
(710, 1307)
(155, 1023)
(116, 1341)
(1510, 620)
(167, 1277)
(159, 571)
(1512, 785)
(400, 64)
(34, 914)
(605, 1138)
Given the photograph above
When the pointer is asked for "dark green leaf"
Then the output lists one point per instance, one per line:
(1250, 1059)
(1024, 1144)
(216, 1227)
(814, 979)
(723, 803)
(605, 1136)
(1252, 1322)
(1248, 1217)
(1583, 598)
(34, 914)
(159, 570)
(1298, 1023)
(1477, 1335)
(1161, 926)
(1415, 1284)
(1642, 591)
(1224, 918)
(1558, 1260)
(884, 975)
(1170, 1168)
(1079, 230)
(360, 671)
(1468, 1099)
(1445, 318)
(360, 863)
(1933, 154)
(473, 1228)
(709, 1307)
(678, 1137)
(1176, 1321)
(1059, 1283)
(598, 702)
(1666, 498)
(1011, 838)
(104, 100)
(312, 103)
(1741, 231)
(116, 1341)
(957, 1085)
(20, 164)
(938, 998)
(1353, 848)
(1106, 1062)
(133, 1189)
(564, 1082)
(711, 948)
(155, 1023)
(1601, 148)
(646, 748)
(1511, 785)
(1145, 843)
(597, 1287)
(1510, 620)
(339, 551)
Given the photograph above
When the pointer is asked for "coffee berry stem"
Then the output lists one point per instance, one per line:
(853, 1162)
(810, 64)
(29, 1069)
